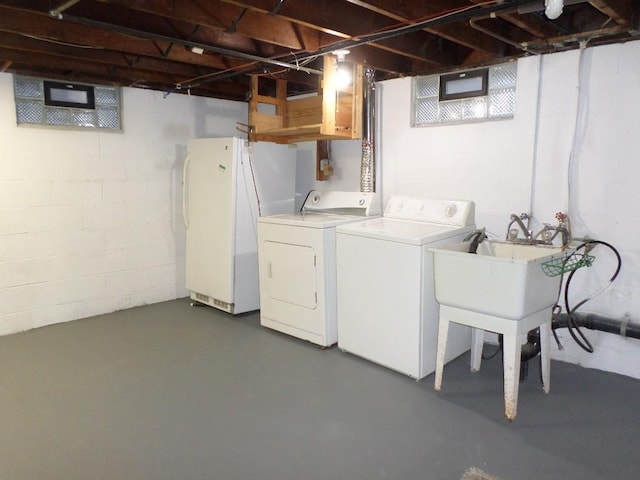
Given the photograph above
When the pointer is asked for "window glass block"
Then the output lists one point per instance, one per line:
(475, 108)
(27, 87)
(84, 118)
(427, 86)
(29, 111)
(108, 117)
(31, 108)
(502, 76)
(502, 102)
(451, 111)
(57, 116)
(499, 103)
(106, 96)
(426, 110)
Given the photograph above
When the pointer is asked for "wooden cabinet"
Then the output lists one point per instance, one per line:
(332, 114)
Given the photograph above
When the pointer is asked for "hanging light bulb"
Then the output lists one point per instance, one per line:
(344, 71)
(553, 8)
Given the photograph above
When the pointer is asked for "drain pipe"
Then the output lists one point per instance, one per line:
(368, 159)
(594, 321)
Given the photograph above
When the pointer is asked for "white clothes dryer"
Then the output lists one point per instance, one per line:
(387, 311)
(297, 263)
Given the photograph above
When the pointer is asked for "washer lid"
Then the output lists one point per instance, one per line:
(403, 231)
(310, 220)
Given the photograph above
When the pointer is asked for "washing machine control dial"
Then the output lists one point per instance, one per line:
(450, 210)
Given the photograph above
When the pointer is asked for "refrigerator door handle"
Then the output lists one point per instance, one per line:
(185, 210)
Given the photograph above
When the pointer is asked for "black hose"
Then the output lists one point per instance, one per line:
(477, 239)
(572, 324)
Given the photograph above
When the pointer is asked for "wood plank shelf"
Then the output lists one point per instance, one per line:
(333, 114)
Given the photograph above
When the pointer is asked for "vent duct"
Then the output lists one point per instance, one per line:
(368, 159)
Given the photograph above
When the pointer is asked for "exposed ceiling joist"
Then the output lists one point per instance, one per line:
(209, 46)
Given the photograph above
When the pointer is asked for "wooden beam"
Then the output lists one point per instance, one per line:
(623, 12)
(337, 19)
(42, 26)
(220, 16)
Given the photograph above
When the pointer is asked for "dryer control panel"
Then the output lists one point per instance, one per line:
(430, 210)
(343, 203)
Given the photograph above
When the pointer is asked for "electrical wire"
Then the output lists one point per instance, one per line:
(572, 324)
(58, 42)
(305, 200)
(253, 178)
(498, 349)
(579, 127)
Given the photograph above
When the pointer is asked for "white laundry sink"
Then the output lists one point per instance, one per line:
(503, 279)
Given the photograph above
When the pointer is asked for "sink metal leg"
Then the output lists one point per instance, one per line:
(512, 346)
(443, 332)
(545, 359)
(477, 342)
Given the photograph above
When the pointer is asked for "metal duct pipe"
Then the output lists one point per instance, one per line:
(368, 160)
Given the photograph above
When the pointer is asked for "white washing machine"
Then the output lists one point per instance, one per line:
(297, 263)
(387, 311)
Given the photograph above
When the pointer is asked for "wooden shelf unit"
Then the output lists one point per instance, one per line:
(332, 114)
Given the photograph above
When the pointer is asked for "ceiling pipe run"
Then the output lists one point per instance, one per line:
(295, 61)
(57, 12)
(521, 46)
(553, 8)
(462, 14)
(539, 5)
(187, 43)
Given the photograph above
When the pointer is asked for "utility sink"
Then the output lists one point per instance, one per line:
(504, 279)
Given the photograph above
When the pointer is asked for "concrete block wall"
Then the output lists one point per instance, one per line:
(90, 222)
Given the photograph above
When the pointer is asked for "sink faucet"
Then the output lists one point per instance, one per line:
(550, 232)
(512, 233)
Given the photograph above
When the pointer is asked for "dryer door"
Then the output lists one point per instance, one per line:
(290, 274)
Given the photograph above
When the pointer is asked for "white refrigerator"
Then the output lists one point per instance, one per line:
(227, 184)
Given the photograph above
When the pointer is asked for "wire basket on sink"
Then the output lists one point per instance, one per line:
(558, 266)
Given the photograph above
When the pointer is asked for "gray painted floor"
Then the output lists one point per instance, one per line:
(170, 391)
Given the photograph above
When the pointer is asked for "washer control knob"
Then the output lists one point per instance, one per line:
(450, 210)
(315, 199)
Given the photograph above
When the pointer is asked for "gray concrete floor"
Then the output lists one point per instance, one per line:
(170, 391)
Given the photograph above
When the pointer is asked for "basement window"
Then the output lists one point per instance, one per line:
(64, 104)
(464, 97)
(456, 86)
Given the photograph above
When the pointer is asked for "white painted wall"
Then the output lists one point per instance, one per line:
(346, 175)
(91, 222)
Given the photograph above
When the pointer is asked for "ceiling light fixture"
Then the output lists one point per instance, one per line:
(344, 71)
(341, 54)
(553, 8)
